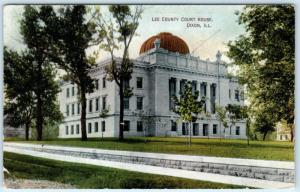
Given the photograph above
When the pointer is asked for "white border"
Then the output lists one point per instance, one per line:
(297, 70)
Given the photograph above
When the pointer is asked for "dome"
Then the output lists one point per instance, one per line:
(168, 41)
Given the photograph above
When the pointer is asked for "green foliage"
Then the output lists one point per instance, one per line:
(264, 123)
(19, 98)
(30, 83)
(221, 115)
(265, 56)
(95, 177)
(104, 113)
(187, 106)
(118, 33)
(50, 132)
(71, 34)
(231, 114)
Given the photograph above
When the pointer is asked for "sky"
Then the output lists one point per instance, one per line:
(202, 41)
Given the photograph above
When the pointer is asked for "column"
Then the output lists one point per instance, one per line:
(217, 94)
(208, 102)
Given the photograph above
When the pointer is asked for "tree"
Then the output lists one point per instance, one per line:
(71, 35)
(265, 56)
(19, 102)
(35, 96)
(222, 116)
(103, 114)
(118, 35)
(235, 113)
(146, 116)
(264, 123)
(29, 77)
(231, 114)
(187, 106)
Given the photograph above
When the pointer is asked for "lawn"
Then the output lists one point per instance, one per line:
(269, 150)
(95, 177)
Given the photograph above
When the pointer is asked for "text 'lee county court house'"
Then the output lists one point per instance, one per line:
(161, 70)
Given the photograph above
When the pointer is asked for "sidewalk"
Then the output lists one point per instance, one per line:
(236, 180)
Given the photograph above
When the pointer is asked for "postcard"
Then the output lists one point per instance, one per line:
(149, 96)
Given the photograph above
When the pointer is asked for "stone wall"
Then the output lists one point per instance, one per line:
(271, 172)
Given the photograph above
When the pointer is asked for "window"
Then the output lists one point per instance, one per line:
(213, 90)
(139, 103)
(68, 92)
(77, 129)
(237, 130)
(126, 84)
(96, 126)
(205, 130)
(103, 126)
(182, 83)
(89, 127)
(73, 91)
(194, 86)
(91, 105)
(67, 130)
(184, 129)
(78, 108)
(236, 95)
(97, 84)
(139, 82)
(126, 102)
(72, 129)
(172, 93)
(103, 82)
(139, 126)
(126, 125)
(215, 129)
(213, 107)
(97, 104)
(103, 102)
(73, 109)
(195, 128)
(203, 90)
(229, 94)
(173, 125)
(242, 95)
(67, 110)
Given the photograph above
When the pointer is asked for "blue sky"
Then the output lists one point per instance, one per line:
(224, 27)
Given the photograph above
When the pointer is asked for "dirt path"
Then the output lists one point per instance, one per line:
(34, 184)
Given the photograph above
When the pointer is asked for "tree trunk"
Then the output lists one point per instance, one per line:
(27, 125)
(190, 133)
(121, 120)
(83, 113)
(265, 134)
(248, 130)
(39, 105)
(39, 119)
(292, 132)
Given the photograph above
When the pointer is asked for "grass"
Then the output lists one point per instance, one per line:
(95, 177)
(268, 150)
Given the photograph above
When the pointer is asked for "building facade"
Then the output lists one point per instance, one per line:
(161, 70)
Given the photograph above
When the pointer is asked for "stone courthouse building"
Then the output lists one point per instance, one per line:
(163, 67)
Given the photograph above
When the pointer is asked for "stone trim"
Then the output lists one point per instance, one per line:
(257, 169)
